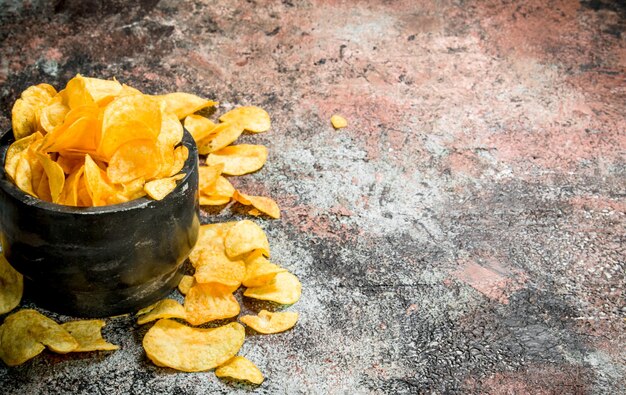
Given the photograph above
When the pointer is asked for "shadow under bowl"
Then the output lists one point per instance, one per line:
(99, 261)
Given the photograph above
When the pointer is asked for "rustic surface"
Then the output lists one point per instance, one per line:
(465, 233)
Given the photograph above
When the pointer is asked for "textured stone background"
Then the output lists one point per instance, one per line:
(466, 232)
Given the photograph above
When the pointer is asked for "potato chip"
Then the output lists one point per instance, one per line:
(54, 174)
(209, 302)
(15, 150)
(213, 200)
(259, 271)
(239, 159)
(11, 286)
(211, 238)
(199, 127)
(284, 288)
(43, 189)
(171, 130)
(134, 159)
(166, 308)
(251, 118)
(77, 94)
(136, 117)
(98, 185)
(102, 91)
(23, 119)
(158, 189)
(338, 121)
(222, 135)
(181, 154)
(184, 104)
(53, 114)
(215, 267)
(148, 309)
(267, 322)
(24, 175)
(240, 368)
(69, 195)
(88, 334)
(255, 212)
(208, 175)
(222, 187)
(185, 284)
(26, 333)
(244, 237)
(169, 343)
(39, 94)
(261, 203)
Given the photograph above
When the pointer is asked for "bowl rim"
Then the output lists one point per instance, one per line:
(7, 185)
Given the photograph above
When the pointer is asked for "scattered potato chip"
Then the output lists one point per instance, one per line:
(27, 333)
(221, 136)
(11, 286)
(208, 176)
(199, 127)
(240, 368)
(244, 237)
(184, 104)
(338, 121)
(267, 322)
(263, 204)
(213, 200)
(211, 238)
(185, 284)
(251, 118)
(166, 308)
(88, 335)
(239, 159)
(169, 343)
(284, 288)
(209, 302)
(259, 271)
(215, 267)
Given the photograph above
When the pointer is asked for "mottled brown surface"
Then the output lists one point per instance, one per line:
(465, 233)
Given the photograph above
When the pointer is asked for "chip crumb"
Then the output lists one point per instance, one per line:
(338, 121)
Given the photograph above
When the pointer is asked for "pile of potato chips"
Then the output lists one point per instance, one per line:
(99, 142)
(227, 256)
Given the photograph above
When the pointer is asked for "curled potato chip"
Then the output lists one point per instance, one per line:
(76, 93)
(166, 308)
(100, 189)
(209, 302)
(185, 284)
(240, 368)
(158, 189)
(11, 286)
(338, 121)
(213, 200)
(26, 333)
(53, 115)
(267, 322)
(222, 135)
(24, 174)
(181, 154)
(88, 334)
(215, 267)
(211, 238)
(259, 271)
(69, 195)
(239, 159)
(171, 130)
(55, 176)
(251, 118)
(244, 237)
(208, 175)
(23, 119)
(199, 127)
(102, 91)
(169, 343)
(284, 288)
(184, 104)
(264, 204)
(15, 150)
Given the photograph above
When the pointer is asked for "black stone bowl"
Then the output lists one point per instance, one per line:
(99, 261)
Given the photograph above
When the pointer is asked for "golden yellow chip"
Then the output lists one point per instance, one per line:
(251, 118)
(98, 185)
(219, 192)
(185, 284)
(148, 309)
(76, 94)
(244, 237)
(40, 94)
(284, 288)
(199, 127)
(184, 104)
(24, 174)
(239, 159)
(208, 175)
(136, 117)
(55, 176)
(215, 267)
(171, 130)
(259, 271)
(222, 135)
(69, 195)
(102, 91)
(264, 204)
(53, 115)
(181, 154)
(213, 200)
(338, 121)
(26, 333)
(171, 344)
(43, 189)
(23, 119)
(267, 322)
(88, 334)
(255, 212)
(166, 308)
(16, 149)
(211, 238)
(240, 368)
(158, 189)
(209, 302)
(11, 286)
